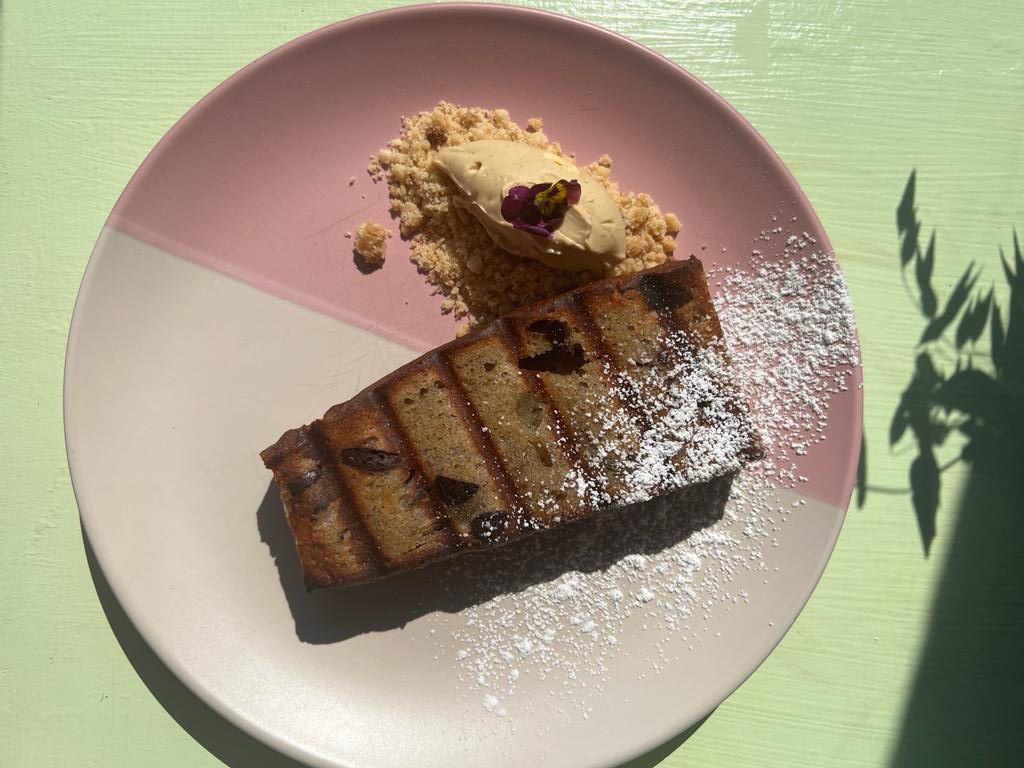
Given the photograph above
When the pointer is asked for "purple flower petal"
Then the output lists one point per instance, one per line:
(511, 207)
(520, 206)
(537, 230)
(530, 213)
(574, 192)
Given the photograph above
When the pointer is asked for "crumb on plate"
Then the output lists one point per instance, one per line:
(371, 243)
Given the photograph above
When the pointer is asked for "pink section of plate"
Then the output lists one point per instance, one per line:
(254, 180)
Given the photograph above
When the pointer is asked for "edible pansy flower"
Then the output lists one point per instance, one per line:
(540, 208)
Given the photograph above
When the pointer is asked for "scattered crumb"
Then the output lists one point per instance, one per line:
(453, 251)
(372, 243)
(352, 181)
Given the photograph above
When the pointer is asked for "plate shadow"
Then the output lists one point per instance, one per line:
(655, 756)
(222, 739)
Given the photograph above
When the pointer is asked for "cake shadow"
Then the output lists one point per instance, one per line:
(594, 544)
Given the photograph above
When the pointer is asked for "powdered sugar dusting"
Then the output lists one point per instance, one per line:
(698, 427)
(556, 610)
(791, 334)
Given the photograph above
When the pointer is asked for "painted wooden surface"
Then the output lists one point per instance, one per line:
(898, 659)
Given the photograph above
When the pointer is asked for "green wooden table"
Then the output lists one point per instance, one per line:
(900, 658)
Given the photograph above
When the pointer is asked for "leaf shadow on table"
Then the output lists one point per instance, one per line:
(333, 615)
(962, 709)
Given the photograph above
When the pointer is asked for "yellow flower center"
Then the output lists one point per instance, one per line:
(550, 199)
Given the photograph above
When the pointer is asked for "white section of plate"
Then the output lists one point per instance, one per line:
(176, 377)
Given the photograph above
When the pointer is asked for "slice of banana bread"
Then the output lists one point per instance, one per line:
(614, 393)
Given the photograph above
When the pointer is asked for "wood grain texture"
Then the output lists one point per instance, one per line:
(852, 95)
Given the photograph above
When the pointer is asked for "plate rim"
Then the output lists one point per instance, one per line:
(350, 25)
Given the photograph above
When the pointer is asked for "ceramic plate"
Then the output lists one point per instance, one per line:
(221, 306)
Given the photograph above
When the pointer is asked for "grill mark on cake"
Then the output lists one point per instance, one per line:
(391, 426)
(566, 438)
(671, 321)
(659, 294)
(665, 293)
(481, 438)
(351, 516)
(610, 371)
